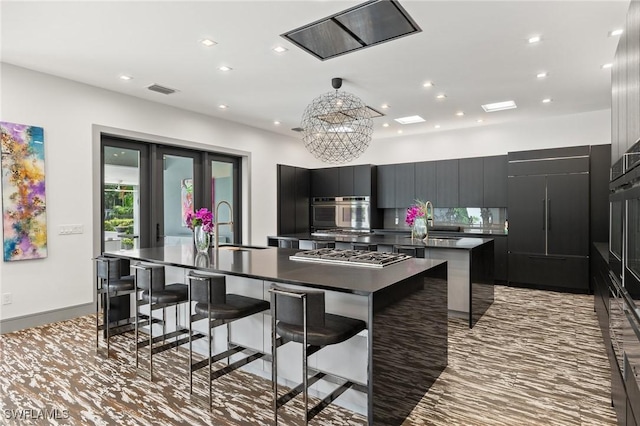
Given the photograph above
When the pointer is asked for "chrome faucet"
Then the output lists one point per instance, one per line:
(428, 207)
(216, 224)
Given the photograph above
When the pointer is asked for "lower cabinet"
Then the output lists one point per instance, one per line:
(555, 272)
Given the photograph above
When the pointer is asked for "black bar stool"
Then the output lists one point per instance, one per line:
(150, 281)
(364, 246)
(218, 308)
(299, 316)
(110, 283)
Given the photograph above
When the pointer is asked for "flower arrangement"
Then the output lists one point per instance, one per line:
(202, 217)
(419, 209)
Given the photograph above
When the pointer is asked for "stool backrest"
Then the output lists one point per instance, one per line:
(144, 276)
(217, 285)
(108, 266)
(289, 309)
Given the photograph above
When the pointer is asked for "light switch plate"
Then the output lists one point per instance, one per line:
(70, 229)
(7, 299)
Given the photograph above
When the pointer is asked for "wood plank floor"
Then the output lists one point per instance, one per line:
(535, 358)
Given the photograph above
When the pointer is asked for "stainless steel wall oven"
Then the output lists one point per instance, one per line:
(349, 213)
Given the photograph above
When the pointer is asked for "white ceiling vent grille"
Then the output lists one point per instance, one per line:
(161, 89)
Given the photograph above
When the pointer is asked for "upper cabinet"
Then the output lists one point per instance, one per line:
(495, 181)
(447, 184)
(325, 182)
(346, 181)
(387, 186)
(425, 177)
(471, 186)
(293, 199)
(405, 185)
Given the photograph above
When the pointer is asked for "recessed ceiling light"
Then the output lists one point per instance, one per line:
(223, 106)
(409, 120)
(479, 120)
(605, 66)
(115, 154)
(541, 75)
(499, 106)
(126, 77)
(280, 49)
(441, 96)
(428, 84)
(400, 132)
(459, 113)
(277, 123)
(437, 126)
(384, 106)
(616, 32)
(225, 68)
(534, 39)
(208, 42)
(547, 100)
(385, 125)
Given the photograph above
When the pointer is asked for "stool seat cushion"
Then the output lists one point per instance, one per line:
(121, 284)
(236, 307)
(174, 293)
(336, 329)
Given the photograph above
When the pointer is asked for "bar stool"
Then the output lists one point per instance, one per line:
(110, 283)
(288, 243)
(299, 316)
(150, 281)
(214, 304)
(364, 246)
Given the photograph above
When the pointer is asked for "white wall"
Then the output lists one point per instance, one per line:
(71, 112)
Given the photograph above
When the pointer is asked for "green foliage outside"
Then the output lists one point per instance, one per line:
(118, 204)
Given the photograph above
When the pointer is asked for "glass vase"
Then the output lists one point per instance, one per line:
(419, 229)
(201, 239)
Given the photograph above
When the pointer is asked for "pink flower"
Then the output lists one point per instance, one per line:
(202, 217)
(416, 210)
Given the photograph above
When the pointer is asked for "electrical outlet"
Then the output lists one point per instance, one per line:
(7, 299)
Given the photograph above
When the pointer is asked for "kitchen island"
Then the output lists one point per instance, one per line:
(397, 358)
(470, 263)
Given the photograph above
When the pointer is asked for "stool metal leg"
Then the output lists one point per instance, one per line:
(209, 336)
(137, 320)
(151, 325)
(107, 324)
(304, 360)
(190, 340)
(274, 359)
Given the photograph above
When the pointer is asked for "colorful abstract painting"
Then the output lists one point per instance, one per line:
(186, 198)
(23, 192)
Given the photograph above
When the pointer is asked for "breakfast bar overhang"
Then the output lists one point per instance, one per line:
(404, 305)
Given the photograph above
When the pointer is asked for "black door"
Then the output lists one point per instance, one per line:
(527, 214)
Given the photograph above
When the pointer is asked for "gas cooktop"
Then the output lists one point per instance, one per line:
(372, 259)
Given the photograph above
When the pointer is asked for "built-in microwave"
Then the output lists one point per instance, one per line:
(341, 212)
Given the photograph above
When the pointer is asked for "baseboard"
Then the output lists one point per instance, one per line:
(27, 321)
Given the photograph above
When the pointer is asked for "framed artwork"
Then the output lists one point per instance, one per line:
(23, 192)
(186, 199)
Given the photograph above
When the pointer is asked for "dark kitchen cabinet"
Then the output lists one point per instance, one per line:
(500, 258)
(470, 180)
(446, 183)
(494, 181)
(363, 180)
(293, 199)
(387, 186)
(345, 182)
(405, 185)
(325, 182)
(549, 218)
(425, 181)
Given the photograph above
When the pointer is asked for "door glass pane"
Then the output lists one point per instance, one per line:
(177, 198)
(121, 198)
(222, 189)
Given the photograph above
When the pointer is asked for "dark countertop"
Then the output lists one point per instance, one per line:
(462, 243)
(453, 231)
(603, 249)
(273, 264)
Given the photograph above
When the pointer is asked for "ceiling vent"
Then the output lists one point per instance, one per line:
(365, 25)
(161, 89)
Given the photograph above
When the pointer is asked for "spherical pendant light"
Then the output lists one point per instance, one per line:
(337, 126)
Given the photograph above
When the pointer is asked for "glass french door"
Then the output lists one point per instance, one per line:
(149, 188)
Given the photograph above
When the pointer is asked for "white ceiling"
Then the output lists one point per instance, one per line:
(475, 52)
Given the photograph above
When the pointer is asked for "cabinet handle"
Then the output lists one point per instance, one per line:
(549, 214)
(544, 215)
(542, 256)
